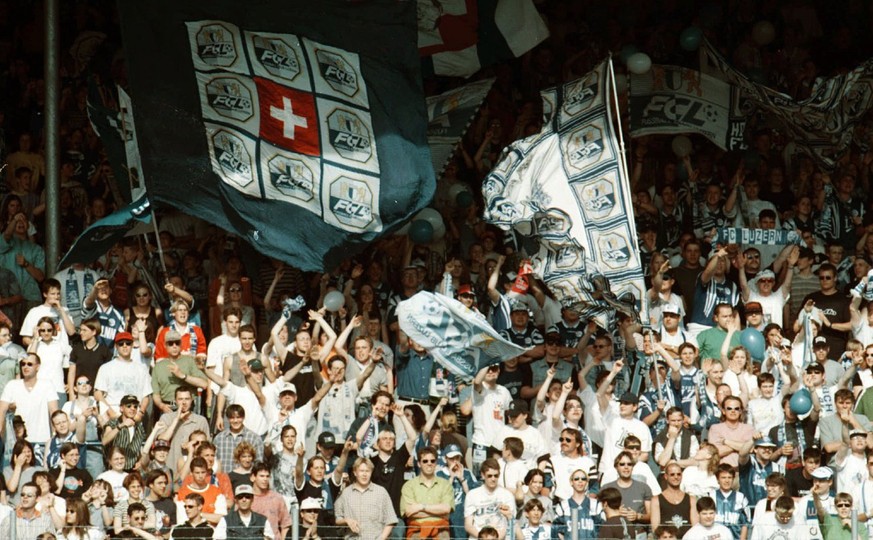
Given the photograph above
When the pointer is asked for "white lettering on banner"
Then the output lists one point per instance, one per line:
(288, 118)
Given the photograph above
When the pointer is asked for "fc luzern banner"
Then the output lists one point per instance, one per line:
(672, 100)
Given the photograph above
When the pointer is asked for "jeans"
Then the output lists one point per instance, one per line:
(399, 531)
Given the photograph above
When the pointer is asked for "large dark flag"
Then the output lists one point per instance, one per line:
(299, 126)
(103, 234)
(449, 115)
(112, 126)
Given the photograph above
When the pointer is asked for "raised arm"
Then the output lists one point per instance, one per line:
(493, 279)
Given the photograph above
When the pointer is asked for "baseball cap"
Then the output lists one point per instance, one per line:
(765, 442)
(243, 489)
(129, 400)
(517, 406)
(629, 397)
(515, 305)
(288, 388)
(327, 439)
(161, 444)
(754, 307)
(452, 450)
(310, 503)
(766, 274)
(671, 309)
(418, 263)
(172, 335)
(256, 365)
(123, 336)
(823, 473)
(857, 432)
(466, 289)
(815, 367)
(820, 340)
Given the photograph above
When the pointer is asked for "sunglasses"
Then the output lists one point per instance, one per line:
(124, 343)
(566, 439)
(27, 364)
(633, 447)
(843, 505)
(553, 342)
(142, 295)
(427, 460)
(190, 506)
(825, 278)
(245, 496)
(83, 383)
(173, 343)
(46, 330)
(235, 289)
(625, 464)
(309, 511)
(492, 475)
(580, 478)
(768, 280)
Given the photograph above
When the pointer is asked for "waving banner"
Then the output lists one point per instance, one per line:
(567, 187)
(672, 100)
(459, 339)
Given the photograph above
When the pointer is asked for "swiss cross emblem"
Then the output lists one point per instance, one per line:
(277, 130)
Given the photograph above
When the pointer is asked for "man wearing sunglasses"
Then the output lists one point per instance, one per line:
(123, 377)
(196, 526)
(242, 522)
(589, 508)
(427, 500)
(834, 308)
(34, 400)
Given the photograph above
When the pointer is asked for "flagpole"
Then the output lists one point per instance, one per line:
(160, 249)
(621, 146)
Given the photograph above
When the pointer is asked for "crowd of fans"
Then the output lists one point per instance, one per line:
(200, 403)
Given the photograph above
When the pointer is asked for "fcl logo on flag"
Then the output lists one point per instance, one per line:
(288, 119)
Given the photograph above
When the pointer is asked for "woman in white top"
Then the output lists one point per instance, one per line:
(54, 356)
(699, 480)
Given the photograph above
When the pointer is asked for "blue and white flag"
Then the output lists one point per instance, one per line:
(99, 238)
(448, 116)
(458, 338)
(671, 99)
(822, 125)
(567, 187)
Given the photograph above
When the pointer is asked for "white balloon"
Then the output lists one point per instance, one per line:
(439, 232)
(334, 300)
(432, 216)
(456, 189)
(681, 146)
(763, 33)
(639, 63)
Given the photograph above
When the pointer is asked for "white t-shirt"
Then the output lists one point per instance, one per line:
(488, 409)
(851, 474)
(336, 412)
(484, 506)
(243, 396)
(299, 419)
(716, 532)
(564, 468)
(765, 414)
(768, 527)
(118, 378)
(534, 445)
(219, 348)
(32, 406)
(35, 314)
(617, 428)
(771, 305)
(54, 358)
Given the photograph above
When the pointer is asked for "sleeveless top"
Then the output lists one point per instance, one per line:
(677, 515)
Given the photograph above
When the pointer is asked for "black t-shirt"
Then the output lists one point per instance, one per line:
(186, 530)
(327, 517)
(88, 361)
(165, 507)
(798, 486)
(76, 482)
(514, 380)
(389, 474)
(304, 381)
(836, 308)
(616, 527)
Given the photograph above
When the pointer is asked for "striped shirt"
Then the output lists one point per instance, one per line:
(129, 439)
(371, 507)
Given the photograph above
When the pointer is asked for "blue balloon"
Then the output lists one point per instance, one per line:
(464, 199)
(421, 231)
(753, 341)
(800, 402)
(690, 38)
(627, 51)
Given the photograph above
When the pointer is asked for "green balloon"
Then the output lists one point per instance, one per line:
(464, 199)
(690, 38)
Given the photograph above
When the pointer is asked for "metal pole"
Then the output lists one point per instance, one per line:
(52, 130)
